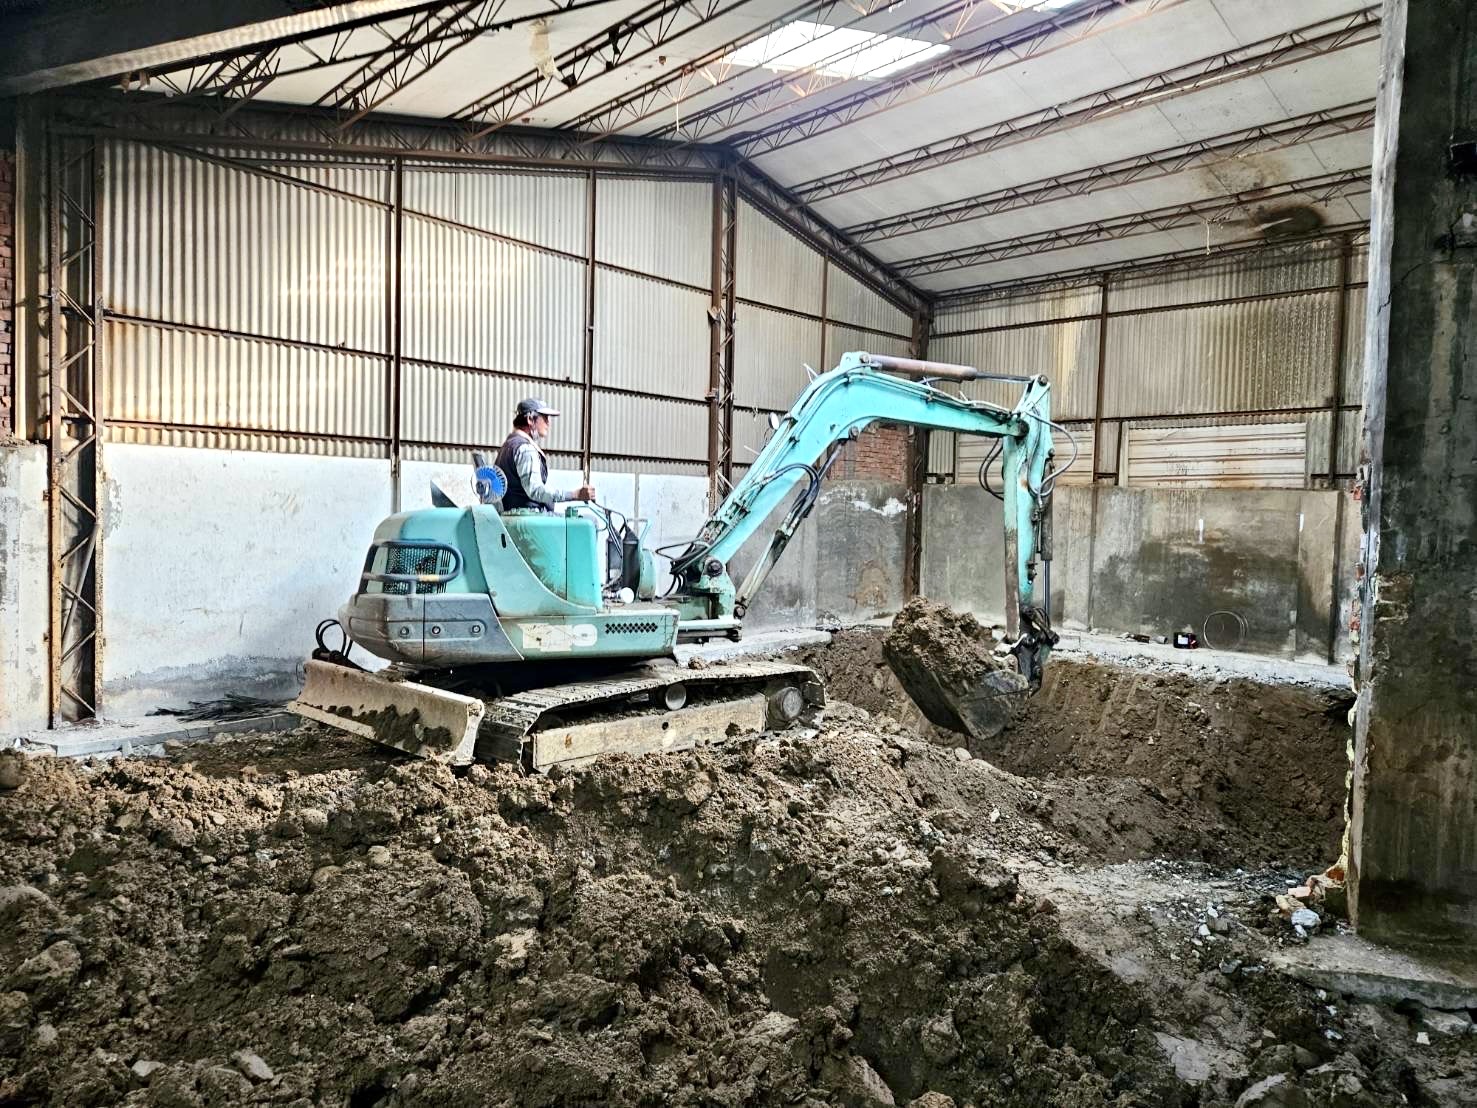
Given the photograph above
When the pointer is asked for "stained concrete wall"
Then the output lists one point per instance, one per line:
(24, 598)
(844, 566)
(1156, 561)
(219, 564)
(1413, 836)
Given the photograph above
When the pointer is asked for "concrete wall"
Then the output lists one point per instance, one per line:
(219, 564)
(24, 599)
(1413, 836)
(1154, 562)
(844, 565)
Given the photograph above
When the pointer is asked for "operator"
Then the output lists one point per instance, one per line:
(523, 461)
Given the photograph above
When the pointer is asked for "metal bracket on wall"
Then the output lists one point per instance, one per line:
(74, 407)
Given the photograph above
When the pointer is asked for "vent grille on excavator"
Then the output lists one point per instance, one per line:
(417, 559)
(643, 628)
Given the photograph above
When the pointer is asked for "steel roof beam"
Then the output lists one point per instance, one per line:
(1147, 266)
(972, 64)
(653, 28)
(52, 45)
(1248, 61)
(410, 54)
(1349, 119)
(708, 71)
(776, 201)
(1314, 190)
(783, 89)
(304, 130)
(434, 32)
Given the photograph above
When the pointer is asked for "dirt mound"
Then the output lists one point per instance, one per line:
(844, 920)
(778, 922)
(1268, 761)
(954, 646)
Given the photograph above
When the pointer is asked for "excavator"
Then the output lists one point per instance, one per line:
(509, 640)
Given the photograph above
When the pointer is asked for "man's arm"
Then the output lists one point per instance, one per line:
(530, 473)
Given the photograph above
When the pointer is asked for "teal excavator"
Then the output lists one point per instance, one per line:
(508, 639)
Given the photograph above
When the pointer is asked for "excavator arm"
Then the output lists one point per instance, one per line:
(835, 408)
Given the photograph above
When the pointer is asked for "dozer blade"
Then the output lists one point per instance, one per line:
(417, 719)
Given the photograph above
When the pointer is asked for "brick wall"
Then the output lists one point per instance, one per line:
(880, 454)
(7, 288)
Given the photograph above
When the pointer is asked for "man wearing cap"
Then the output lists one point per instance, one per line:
(526, 465)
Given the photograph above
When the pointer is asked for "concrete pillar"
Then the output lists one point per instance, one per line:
(1413, 838)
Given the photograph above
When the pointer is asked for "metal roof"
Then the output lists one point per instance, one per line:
(1052, 136)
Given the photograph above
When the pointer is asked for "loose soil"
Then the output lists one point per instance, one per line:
(857, 917)
(1253, 773)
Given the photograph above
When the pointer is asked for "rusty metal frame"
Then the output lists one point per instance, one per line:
(587, 376)
(431, 36)
(1138, 267)
(1125, 171)
(1336, 391)
(432, 141)
(917, 474)
(720, 339)
(1097, 399)
(74, 418)
(234, 78)
(1314, 190)
(397, 325)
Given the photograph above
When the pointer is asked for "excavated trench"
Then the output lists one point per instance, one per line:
(866, 916)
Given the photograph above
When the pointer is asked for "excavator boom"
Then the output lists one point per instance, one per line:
(835, 408)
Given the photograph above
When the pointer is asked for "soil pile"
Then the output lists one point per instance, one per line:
(1269, 761)
(856, 918)
(293, 920)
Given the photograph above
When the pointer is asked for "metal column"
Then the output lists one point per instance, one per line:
(396, 323)
(587, 377)
(1097, 399)
(720, 339)
(917, 474)
(74, 407)
(1336, 385)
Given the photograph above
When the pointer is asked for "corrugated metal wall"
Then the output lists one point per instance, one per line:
(796, 309)
(253, 306)
(1241, 341)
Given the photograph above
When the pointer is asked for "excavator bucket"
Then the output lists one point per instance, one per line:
(418, 719)
(946, 663)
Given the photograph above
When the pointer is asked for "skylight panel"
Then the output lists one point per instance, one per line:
(842, 52)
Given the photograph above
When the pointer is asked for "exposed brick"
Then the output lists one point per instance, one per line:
(880, 453)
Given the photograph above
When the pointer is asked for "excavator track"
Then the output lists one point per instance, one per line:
(644, 709)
